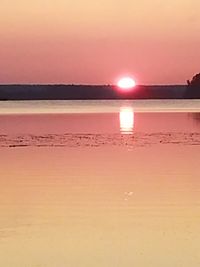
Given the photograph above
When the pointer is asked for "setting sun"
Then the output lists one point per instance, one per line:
(126, 83)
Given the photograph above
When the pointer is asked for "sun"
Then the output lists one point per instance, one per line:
(126, 83)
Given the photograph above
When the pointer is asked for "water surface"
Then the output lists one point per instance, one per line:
(116, 187)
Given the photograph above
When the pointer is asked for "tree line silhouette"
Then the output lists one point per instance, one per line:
(193, 87)
(76, 92)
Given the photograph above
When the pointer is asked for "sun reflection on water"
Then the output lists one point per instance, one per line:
(126, 117)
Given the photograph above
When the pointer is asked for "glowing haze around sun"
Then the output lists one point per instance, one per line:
(126, 83)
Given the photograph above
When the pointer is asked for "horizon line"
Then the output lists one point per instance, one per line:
(86, 84)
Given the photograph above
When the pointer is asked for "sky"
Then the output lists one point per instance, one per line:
(95, 42)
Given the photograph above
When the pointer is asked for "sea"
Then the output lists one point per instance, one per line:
(100, 183)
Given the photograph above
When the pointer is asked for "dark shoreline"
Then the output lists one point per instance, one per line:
(87, 92)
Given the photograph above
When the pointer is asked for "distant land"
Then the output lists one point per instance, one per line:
(85, 92)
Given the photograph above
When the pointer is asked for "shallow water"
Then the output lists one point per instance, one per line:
(117, 188)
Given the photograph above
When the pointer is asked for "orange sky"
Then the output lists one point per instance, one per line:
(88, 41)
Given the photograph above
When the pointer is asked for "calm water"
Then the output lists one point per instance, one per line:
(109, 183)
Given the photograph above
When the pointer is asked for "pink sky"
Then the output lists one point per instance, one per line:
(96, 41)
